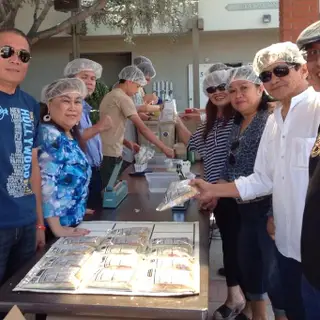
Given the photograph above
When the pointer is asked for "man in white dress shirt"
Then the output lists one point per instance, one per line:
(281, 165)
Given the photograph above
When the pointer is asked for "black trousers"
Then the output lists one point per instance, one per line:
(228, 221)
(95, 199)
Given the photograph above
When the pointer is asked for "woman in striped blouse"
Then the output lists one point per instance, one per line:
(210, 140)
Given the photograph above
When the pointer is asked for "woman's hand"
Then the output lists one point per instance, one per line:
(271, 228)
(71, 232)
(195, 116)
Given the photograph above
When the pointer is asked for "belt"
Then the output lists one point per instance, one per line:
(239, 201)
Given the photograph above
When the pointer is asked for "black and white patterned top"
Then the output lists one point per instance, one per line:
(243, 148)
(214, 149)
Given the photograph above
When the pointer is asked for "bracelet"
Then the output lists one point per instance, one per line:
(40, 227)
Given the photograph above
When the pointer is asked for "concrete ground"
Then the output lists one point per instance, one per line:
(218, 288)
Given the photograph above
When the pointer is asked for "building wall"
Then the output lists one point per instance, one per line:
(238, 14)
(296, 15)
(170, 59)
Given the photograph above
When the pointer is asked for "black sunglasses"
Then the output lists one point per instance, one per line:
(220, 87)
(234, 146)
(279, 71)
(6, 52)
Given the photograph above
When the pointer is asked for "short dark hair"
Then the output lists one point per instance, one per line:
(17, 32)
(122, 81)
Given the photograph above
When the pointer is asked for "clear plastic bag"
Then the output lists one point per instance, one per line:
(178, 193)
(144, 155)
(86, 240)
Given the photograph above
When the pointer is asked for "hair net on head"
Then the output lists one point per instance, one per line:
(147, 69)
(215, 79)
(63, 86)
(245, 73)
(217, 66)
(78, 65)
(309, 35)
(134, 74)
(141, 59)
(283, 51)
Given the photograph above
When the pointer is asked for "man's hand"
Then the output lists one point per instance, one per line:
(144, 116)
(206, 194)
(271, 228)
(105, 123)
(40, 239)
(168, 152)
(135, 147)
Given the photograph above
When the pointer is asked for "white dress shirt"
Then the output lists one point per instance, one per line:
(281, 168)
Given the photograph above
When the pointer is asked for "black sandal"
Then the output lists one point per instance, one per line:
(226, 313)
(241, 316)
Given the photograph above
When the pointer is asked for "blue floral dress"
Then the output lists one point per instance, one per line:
(65, 174)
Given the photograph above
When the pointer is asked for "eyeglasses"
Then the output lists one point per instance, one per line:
(279, 71)
(234, 147)
(313, 55)
(6, 52)
(220, 87)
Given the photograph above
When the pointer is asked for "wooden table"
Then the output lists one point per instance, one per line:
(138, 206)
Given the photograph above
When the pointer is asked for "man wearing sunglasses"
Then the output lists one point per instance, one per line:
(281, 165)
(21, 220)
(309, 42)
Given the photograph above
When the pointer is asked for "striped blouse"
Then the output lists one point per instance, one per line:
(214, 149)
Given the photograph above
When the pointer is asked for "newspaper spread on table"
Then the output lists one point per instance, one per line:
(122, 258)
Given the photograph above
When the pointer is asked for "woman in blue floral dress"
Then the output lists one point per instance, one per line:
(65, 171)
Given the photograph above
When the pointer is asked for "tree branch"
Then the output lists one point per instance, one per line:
(81, 16)
(37, 20)
(11, 15)
(2, 10)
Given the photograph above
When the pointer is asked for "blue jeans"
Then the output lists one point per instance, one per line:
(257, 256)
(311, 300)
(17, 246)
(291, 276)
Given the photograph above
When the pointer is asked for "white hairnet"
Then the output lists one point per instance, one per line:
(78, 65)
(217, 66)
(283, 51)
(147, 69)
(245, 73)
(309, 35)
(63, 86)
(141, 59)
(215, 79)
(134, 74)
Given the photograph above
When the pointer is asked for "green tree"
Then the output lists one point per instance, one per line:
(95, 99)
(125, 15)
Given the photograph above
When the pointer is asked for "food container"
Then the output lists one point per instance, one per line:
(159, 181)
(140, 167)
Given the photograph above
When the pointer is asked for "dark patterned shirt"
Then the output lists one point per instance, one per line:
(243, 148)
(213, 150)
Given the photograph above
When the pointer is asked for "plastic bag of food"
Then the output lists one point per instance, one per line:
(144, 155)
(85, 240)
(178, 193)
